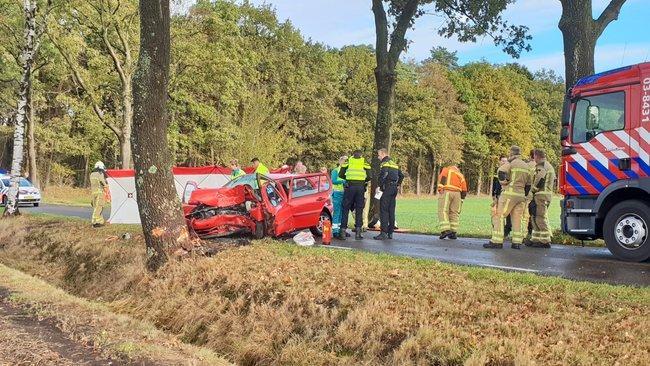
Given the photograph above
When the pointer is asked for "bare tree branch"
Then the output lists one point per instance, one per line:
(381, 29)
(608, 15)
(398, 38)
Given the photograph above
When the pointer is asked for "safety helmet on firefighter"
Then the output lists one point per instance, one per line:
(99, 165)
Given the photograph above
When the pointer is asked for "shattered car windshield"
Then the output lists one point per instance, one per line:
(248, 179)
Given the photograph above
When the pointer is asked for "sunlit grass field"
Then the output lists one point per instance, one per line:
(420, 214)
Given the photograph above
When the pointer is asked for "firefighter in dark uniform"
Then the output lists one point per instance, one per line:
(390, 178)
(357, 174)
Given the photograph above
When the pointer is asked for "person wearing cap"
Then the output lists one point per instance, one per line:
(337, 195)
(390, 178)
(357, 174)
(516, 179)
(259, 167)
(452, 189)
(98, 185)
(237, 171)
(542, 192)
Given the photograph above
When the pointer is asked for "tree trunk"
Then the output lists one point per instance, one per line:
(479, 184)
(580, 33)
(488, 188)
(29, 7)
(386, 81)
(127, 124)
(418, 177)
(432, 186)
(86, 174)
(164, 227)
(31, 141)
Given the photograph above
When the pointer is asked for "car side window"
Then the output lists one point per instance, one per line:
(303, 187)
(324, 183)
(597, 114)
(274, 197)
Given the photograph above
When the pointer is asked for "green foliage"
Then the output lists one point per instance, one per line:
(244, 84)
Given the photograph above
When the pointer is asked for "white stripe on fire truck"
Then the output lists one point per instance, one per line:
(602, 159)
(580, 160)
(618, 151)
(644, 134)
(634, 145)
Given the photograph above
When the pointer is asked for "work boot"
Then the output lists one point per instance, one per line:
(515, 246)
(390, 236)
(97, 225)
(528, 242)
(445, 234)
(452, 236)
(358, 235)
(341, 235)
(491, 245)
(347, 234)
(382, 236)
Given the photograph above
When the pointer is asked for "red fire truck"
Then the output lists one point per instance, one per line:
(605, 172)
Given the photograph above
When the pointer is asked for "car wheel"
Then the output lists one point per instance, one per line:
(259, 230)
(627, 231)
(318, 230)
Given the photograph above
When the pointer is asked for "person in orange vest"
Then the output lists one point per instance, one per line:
(452, 188)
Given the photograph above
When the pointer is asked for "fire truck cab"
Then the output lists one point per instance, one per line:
(605, 172)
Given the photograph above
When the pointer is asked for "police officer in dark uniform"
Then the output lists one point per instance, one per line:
(390, 178)
(356, 172)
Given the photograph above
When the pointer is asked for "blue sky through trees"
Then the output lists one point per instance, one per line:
(343, 22)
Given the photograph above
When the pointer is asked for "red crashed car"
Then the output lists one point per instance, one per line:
(261, 205)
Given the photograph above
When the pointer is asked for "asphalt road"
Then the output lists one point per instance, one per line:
(577, 263)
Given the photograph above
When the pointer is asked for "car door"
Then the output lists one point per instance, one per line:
(600, 142)
(305, 201)
(279, 218)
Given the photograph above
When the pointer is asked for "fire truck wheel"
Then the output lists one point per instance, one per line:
(627, 231)
(318, 230)
(259, 230)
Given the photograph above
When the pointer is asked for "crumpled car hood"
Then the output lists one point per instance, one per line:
(222, 197)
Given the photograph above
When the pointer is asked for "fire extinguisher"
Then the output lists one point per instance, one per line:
(327, 232)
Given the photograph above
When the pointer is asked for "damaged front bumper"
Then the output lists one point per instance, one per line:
(212, 222)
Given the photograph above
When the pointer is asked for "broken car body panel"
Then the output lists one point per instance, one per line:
(260, 205)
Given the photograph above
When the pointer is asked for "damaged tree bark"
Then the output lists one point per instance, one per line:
(162, 220)
(27, 57)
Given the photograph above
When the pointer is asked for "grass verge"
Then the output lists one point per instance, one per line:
(65, 195)
(118, 335)
(273, 303)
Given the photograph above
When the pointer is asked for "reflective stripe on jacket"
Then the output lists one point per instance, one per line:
(356, 169)
(337, 183)
(544, 176)
(451, 179)
(517, 176)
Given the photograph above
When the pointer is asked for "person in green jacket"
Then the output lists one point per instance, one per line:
(259, 167)
(237, 171)
(338, 186)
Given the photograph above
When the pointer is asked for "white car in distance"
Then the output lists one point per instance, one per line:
(27, 193)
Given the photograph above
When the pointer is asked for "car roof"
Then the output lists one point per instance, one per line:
(289, 175)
